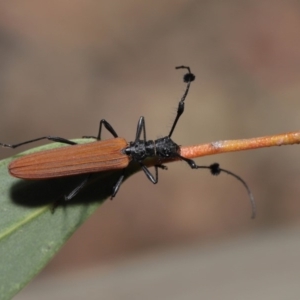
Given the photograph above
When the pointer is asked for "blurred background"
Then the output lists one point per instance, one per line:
(66, 65)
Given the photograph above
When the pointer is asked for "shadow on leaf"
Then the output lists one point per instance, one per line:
(35, 193)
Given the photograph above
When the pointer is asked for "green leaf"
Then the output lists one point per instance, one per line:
(30, 234)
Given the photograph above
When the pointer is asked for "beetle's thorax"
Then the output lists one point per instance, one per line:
(166, 148)
(162, 148)
(140, 149)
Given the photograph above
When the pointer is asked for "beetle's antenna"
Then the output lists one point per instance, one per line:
(188, 78)
(216, 170)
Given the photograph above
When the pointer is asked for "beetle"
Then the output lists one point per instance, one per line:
(111, 154)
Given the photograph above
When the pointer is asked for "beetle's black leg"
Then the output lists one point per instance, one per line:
(188, 78)
(50, 138)
(78, 188)
(153, 179)
(149, 175)
(70, 195)
(107, 126)
(116, 187)
(140, 127)
(147, 172)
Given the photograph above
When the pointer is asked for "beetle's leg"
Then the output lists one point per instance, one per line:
(140, 127)
(107, 126)
(149, 175)
(147, 172)
(153, 179)
(50, 138)
(78, 188)
(116, 187)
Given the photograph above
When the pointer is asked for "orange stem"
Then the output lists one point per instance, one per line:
(289, 138)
